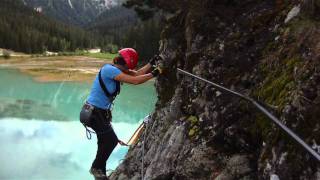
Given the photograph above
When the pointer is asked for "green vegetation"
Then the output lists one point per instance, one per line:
(121, 27)
(194, 130)
(278, 83)
(108, 56)
(25, 30)
(279, 74)
(193, 120)
(284, 70)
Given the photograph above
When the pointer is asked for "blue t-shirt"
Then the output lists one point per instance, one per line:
(97, 97)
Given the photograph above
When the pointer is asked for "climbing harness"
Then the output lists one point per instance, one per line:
(274, 119)
(106, 92)
(86, 112)
(88, 132)
(85, 119)
(87, 109)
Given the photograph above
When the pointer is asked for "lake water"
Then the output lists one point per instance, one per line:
(41, 136)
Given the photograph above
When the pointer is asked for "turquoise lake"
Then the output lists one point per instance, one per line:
(41, 135)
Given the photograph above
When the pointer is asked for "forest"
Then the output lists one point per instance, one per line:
(122, 27)
(25, 30)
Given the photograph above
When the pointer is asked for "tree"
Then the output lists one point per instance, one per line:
(23, 29)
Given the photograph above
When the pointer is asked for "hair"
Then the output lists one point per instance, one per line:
(119, 60)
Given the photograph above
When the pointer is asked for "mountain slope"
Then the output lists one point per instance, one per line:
(77, 12)
(115, 19)
(122, 27)
(23, 29)
(200, 133)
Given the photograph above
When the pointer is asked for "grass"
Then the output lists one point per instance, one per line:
(57, 68)
(107, 56)
(101, 55)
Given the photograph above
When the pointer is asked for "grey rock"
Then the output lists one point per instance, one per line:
(166, 152)
(230, 139)
(237, 167)
(293, 13)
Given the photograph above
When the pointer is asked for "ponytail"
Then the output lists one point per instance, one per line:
(119, 60)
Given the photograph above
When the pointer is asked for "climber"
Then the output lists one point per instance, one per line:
(96, 112)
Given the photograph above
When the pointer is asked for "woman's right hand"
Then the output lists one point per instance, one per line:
(156, 72)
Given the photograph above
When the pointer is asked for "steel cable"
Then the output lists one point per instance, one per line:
(274, 119)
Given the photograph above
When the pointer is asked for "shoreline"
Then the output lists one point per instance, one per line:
(56, 68)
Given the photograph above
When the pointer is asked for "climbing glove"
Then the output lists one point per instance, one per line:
(153, 61)
(156, 72)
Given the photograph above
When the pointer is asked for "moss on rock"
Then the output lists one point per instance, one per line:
(194, 128)
(193, 120)
(279, 82)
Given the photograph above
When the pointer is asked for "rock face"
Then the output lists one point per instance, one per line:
(196, 131)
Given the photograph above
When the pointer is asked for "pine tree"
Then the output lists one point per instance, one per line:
(23, 29)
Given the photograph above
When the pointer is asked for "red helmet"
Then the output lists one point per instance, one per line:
(130, 56)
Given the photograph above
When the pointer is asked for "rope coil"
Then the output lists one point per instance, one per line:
(274, 119)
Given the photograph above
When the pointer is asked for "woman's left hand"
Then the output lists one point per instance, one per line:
(154, 61)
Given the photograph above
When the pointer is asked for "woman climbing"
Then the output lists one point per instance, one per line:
(96, 112)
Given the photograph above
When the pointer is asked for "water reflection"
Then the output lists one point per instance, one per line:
(51, 149)
(41, 135)
(29, 109)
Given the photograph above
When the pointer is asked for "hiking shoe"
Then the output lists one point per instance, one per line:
(98, 174)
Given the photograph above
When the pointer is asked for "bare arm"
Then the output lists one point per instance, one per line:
(123, 77)
(144, 70)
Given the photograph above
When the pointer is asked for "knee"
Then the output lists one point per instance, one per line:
(114, 141)
(108, 139)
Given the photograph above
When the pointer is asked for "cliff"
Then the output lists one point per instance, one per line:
(268, 50)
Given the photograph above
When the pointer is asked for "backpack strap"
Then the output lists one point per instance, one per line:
(106, 92)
